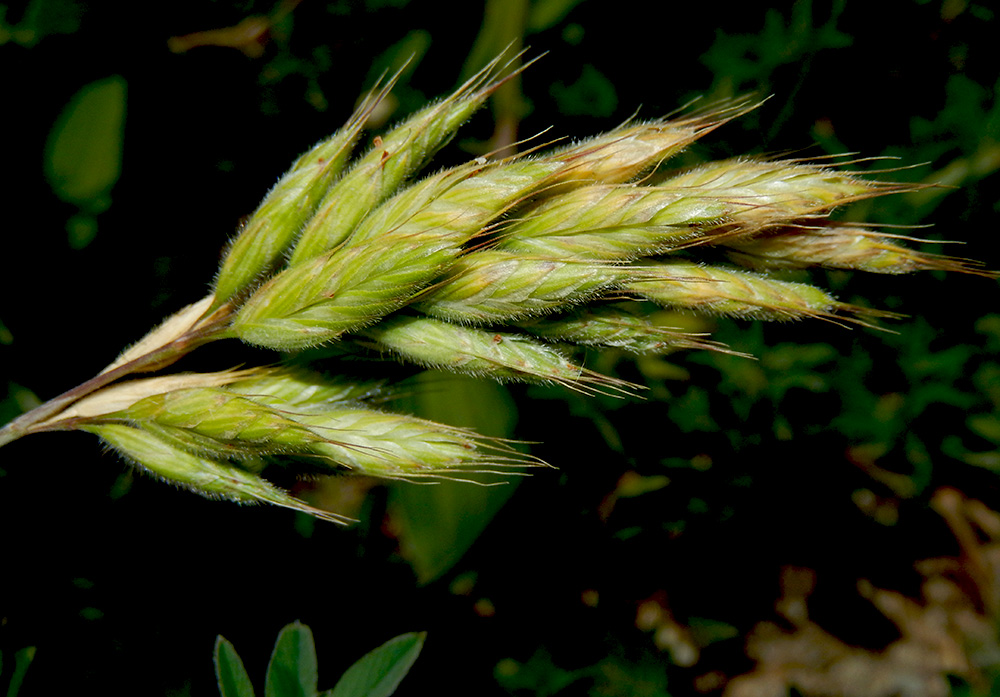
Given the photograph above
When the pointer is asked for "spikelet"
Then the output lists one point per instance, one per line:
(633, 149)
(211, 478)
(268, 233)
(396, 446)
(216, 439)
(343, 291)
(393, 158)
(345, 430)
(222, 424)
(493, 286)
(732, 198)
(789, 187)
(615, 326)
(841, 247)
(715, 290)
(501, 356)
(613, 222)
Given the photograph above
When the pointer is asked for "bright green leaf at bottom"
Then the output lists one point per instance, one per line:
(438, 523)
(293, 671)
(379, 672)
(229, 671)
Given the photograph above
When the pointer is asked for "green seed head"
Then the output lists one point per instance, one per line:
(499, 269)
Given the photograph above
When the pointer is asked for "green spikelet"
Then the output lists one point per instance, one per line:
(615, 326)
(219, 423)
(404, 245)
(347, 432)
(501, 356)
(205, 476)
(395, 446)
(840, 247)
(342, 291)
(782, 188)
(498, 286)
(392, 159)
(616, 222)
(633, 149)
(722, 200)
(288, 206)
(714, 290)
(294, 413)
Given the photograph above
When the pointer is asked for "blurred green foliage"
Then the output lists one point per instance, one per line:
(40, 18)
(83, 155)
(22, 659)
(437, 523)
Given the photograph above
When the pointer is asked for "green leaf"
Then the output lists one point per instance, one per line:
(229, 671)
(292, 671)
(84, 152)
(379, 672)
(22, 659)
(437, 524)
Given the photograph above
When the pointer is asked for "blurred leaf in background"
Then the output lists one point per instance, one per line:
(41, 18)
(436, 523)
(22, 659)
(746, 62)
(83, 156)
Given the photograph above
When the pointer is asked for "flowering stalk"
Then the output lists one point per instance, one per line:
(498, 269)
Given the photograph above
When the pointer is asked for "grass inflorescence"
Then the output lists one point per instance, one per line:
(496, 268)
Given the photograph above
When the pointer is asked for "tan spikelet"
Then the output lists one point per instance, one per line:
(843, 247)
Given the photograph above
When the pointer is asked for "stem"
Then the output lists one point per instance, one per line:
(210, 329)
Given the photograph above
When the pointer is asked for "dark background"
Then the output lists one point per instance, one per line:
(122, 583)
